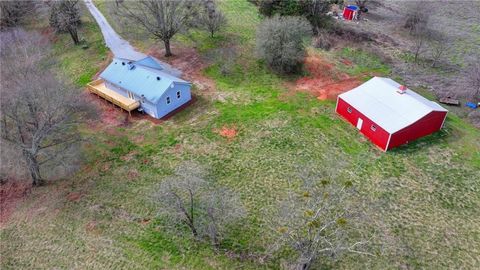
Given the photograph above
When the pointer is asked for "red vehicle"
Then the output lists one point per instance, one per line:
(389, 114)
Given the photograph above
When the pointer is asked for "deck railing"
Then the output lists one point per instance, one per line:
(99, 88)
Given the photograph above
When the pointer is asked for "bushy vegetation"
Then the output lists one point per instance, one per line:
(280, 42)
(211, 18)
(14, 13)
(313, 10)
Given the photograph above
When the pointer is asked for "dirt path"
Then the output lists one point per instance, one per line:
(324, 81)
(120, 47)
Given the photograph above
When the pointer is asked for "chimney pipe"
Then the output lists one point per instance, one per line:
(402, 89)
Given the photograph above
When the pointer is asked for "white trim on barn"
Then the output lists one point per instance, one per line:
(388, 142)
(336, 105)
(443, 122)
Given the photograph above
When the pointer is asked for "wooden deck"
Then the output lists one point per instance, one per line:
(99, 88)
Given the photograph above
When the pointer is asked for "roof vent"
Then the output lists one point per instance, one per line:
(123, 63)
(131, 66)
(402, 89)
(158, 78)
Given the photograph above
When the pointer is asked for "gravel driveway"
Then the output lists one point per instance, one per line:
(120, 47)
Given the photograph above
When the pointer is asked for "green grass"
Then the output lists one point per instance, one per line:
(81, 64)
(428, 192)
(363, 63)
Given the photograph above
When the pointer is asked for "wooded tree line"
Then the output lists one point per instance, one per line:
(39, 113)
(431, 46)
(64, 15)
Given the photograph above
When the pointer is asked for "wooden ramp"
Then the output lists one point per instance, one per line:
(99, 88)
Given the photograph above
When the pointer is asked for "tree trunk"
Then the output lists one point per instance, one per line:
(74, 34)
(192, 227)
(417, 51)
(34, 169)
(168, 52)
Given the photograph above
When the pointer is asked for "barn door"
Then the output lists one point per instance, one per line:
(359, 123)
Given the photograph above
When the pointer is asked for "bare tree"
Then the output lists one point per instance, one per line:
(118, 2)
(280, 42)
(439, 47)
(13, 13)
(39, 114)
(473, 80)
(321, 219)
(187, 198)
(211, 19)
(65, 17)
(315, 12)
(417, 15)
(416, 21)
(163, 19)
(420, 37)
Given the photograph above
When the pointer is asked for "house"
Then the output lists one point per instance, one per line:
(388, 113)
(145, 85)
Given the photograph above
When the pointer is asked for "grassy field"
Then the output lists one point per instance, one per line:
(428, 190)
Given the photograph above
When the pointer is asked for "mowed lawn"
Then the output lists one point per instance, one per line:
(427, 192)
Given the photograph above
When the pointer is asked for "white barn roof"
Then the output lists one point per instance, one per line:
(379, 100)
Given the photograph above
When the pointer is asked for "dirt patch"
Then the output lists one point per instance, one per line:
(110, 115)
(227, 132)
(129, 156)
(133, 174)
(74, 196)
(325, 80)
(49, 33)
(11, 193)
(144, 221)
(93, 227)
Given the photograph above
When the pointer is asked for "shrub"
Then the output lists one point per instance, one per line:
(313, 10)
(14, 13)
(280, 42)
(323, 41)
(211, 18)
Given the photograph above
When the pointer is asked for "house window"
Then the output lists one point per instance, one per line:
(349, 110)
(373, 128)
(168, 100)
(178, 94)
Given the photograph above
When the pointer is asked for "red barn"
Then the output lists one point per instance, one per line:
(389, 114)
